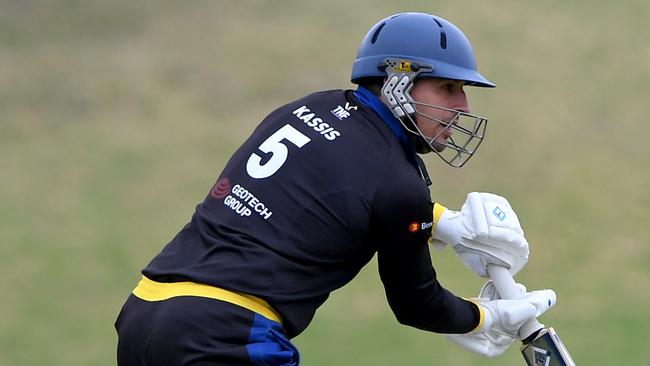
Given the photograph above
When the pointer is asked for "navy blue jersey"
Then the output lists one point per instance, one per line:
(320, 186)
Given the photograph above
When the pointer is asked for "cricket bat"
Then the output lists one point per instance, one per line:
(541, 346)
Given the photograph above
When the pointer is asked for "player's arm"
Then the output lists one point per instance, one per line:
(414, 294)
(402, 223)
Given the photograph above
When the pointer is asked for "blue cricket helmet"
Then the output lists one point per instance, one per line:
(422, 38)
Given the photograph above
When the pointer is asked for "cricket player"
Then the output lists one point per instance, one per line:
(322, 185)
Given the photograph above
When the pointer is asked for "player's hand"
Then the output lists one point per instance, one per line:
(502, 319)
(507, 316)
(485, 231)
(488, 343)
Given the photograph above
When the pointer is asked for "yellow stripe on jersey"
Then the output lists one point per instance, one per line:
(150, 290)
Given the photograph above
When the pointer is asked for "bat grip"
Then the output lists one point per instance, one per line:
(507, 289)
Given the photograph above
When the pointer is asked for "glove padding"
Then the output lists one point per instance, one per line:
(485, 231)
(503, 318)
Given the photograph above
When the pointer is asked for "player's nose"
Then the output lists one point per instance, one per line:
(460, 102)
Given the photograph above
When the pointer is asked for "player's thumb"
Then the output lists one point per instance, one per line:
(542, 300)
(534, 304)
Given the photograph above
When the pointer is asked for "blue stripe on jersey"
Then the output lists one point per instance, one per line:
(267, 344)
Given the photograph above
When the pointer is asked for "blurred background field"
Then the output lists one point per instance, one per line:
(117, 116)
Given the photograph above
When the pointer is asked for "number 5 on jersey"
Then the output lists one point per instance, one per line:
(278, 149)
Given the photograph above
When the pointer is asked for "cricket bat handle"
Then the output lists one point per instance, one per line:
(507, 289)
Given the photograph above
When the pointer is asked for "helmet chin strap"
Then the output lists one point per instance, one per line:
(400, 75)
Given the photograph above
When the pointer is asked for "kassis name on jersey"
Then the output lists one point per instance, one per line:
(310, 119)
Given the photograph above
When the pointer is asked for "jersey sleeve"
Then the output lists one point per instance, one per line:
(404, 215)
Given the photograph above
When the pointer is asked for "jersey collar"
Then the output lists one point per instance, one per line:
(370, 100)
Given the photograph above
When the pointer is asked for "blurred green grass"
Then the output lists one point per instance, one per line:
(116, 117)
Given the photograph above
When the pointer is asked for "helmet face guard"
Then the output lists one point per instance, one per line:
(409, 45)
(460, 135)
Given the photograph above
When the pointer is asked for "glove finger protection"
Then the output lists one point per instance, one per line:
(491, 212)
(485, 231)
(495, 221)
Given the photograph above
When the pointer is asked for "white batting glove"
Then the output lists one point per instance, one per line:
(502, 319)
(485, 231)
(491, 342)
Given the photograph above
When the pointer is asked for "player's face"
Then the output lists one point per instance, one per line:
(445, 93)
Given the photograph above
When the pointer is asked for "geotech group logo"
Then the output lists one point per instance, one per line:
(239, 199)
(414, 227)
(221, 188)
